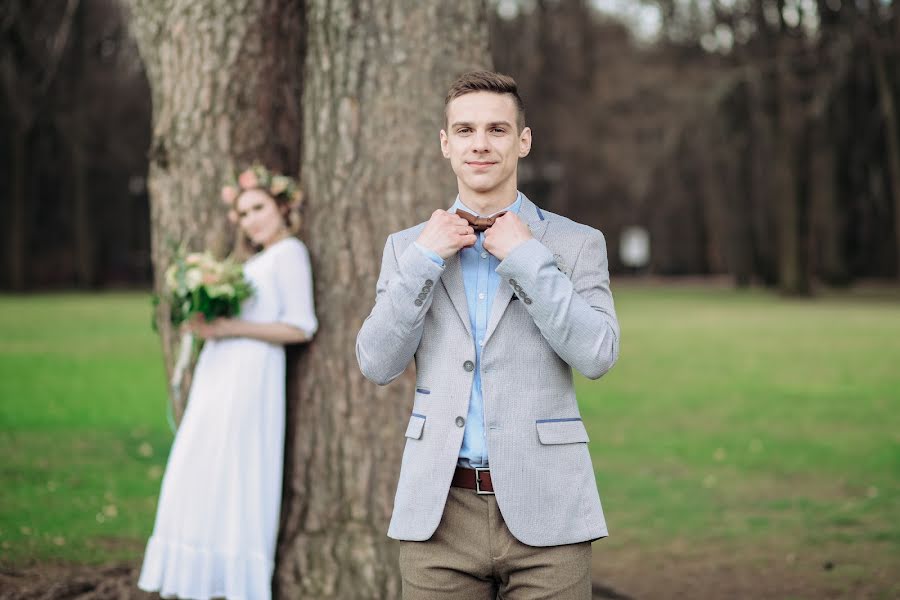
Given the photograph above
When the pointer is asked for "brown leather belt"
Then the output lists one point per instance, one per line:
(473, 479)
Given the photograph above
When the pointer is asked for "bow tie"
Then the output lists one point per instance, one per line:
(479, 224)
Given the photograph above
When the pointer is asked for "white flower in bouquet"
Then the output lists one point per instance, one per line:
(193, 278)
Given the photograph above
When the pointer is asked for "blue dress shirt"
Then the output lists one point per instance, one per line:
(479, 270)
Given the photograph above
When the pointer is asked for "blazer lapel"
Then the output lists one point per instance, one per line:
(537, 223)
(453, 282)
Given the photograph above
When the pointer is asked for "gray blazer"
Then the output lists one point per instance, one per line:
(553, 311)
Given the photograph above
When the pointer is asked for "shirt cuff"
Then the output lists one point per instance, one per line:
(430, 254)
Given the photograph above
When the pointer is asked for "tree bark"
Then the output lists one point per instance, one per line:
(225, 79)
(376, 76)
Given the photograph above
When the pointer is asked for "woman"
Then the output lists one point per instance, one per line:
(217, 519)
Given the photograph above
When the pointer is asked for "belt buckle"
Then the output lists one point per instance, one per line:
(478, 490)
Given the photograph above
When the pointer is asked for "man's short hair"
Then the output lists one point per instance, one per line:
(486, 81)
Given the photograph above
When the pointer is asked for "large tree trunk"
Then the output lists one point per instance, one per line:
(225, 81)
(376, 75)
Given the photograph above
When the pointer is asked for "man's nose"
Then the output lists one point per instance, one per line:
(480, 141)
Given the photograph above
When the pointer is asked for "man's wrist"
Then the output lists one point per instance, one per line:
(523, 257)
(516, 246)
(431, 254)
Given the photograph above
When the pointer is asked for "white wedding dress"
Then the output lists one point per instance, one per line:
(217, 518)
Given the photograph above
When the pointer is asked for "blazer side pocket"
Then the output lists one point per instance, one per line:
(561, 431)
(415, 427)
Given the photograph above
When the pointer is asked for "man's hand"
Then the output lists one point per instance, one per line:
(445, 234)
(507, 233)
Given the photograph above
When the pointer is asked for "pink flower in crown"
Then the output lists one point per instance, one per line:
(229, 194)
(248, 179)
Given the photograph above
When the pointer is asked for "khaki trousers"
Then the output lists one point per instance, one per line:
(473, 556)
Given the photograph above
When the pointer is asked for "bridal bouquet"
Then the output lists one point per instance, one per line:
(198, 284)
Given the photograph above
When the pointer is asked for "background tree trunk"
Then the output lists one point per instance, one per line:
(376, 76)
(891, 137)
(73, 132)
(225, 79)
(18, 210)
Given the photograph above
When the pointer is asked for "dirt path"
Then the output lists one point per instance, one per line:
(618, 576)
(71, 582)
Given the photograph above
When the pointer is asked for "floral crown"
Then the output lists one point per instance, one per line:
(257, 177)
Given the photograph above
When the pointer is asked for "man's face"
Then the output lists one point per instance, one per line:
(482, 142)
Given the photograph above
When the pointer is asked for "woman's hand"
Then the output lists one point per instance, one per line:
(274, 333)
(217, 328)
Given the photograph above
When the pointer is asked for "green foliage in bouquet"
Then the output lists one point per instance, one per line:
(196, 283)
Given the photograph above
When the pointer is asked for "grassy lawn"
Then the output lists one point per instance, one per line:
(735, 421)
(751, 425)
(83, 431)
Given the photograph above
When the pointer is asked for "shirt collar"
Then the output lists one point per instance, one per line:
(514, 207)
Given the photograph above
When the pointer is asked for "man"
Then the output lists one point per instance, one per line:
(497, 301)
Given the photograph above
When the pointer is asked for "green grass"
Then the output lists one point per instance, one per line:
(739, 419)
(732, 421)
(83, 431)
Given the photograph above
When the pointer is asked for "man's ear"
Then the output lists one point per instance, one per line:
(525, 142)
(445, 144)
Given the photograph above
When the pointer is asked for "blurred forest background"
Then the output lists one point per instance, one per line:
(758, 139)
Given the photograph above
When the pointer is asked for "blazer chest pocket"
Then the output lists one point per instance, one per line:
(415, 427)
(561, 431)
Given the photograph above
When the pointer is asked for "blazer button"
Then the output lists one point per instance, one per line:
(513, 282)
(422, 296)
(527, 300)
(460, 421)
(426, 289)
(429, 282)
(418, 302)
(469, 366)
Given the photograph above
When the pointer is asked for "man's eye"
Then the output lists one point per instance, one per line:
(463, 130)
